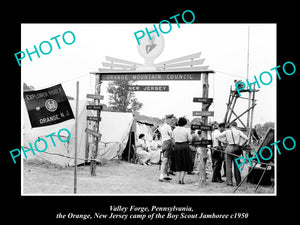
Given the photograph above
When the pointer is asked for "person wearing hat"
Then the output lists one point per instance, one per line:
(167, 147)
(235, 138)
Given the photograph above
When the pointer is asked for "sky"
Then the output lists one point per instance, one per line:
(224, 47)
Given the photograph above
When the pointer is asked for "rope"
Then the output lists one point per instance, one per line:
(75, 78)
(233, 75)
(70, 157)
(230, 74)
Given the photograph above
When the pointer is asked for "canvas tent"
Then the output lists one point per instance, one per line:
(141, 125)
(114, 128)
(146, 125)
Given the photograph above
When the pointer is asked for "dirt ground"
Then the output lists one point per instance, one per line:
(119, 177)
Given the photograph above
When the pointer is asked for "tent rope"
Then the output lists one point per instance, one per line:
(70, 157)
(85, 159)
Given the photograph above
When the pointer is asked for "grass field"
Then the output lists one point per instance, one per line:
(119, 178)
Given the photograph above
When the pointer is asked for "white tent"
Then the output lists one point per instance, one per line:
(114, 128)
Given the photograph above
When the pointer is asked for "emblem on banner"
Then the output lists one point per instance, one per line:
(51, 105)
(47, 106)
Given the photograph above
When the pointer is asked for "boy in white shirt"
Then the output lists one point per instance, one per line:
(167, 147)
(234, 139)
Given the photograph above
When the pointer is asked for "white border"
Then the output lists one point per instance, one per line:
(223, 194)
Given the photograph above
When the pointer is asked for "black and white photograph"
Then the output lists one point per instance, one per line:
(157, 115)
(149, 112)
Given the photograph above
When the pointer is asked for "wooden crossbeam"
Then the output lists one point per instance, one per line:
(194, 68)
(116, 65)
(109, 70)
(112, 59)
(237, 117)
(242, 114)
(180, 59)
(188, 63)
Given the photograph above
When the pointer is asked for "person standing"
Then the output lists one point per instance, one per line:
(183, 161)
(167, 147)
(203, 157)
(193, 149)
(233, 138)
(217, 153)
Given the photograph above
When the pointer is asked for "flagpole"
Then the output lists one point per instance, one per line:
(249, 96)
(76, 125)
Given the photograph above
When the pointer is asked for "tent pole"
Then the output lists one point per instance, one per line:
(76, 129)
(129, 147)
(86, 146)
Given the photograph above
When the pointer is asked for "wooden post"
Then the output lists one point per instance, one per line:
(242, 114)
(251, 116)
(235, 97)
(238, 118)
(230, 98)
(86, 155)
(76, 130)
(94, 152)
(249, 96)
(205, 106)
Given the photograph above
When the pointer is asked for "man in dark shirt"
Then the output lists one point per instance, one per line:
(217, 154)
